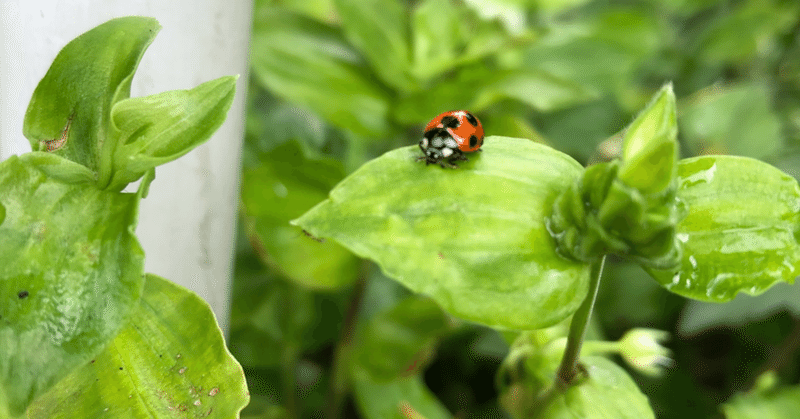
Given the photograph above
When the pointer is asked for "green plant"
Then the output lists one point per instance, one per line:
(517, 240)
(83, 331)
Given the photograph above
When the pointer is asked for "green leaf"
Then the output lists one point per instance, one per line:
(733, 120)
(283, 187)
(608, 393)
(541, 90)
(770, 402)
(59, 168)
(71, 269)
(86, 79)
(309, 63)
(474, 238)
(379, 29)
(740, 234)
(650, 148)
(402, 398)
(407, 331)
(169, 360)
(157, 129)
(437, 34)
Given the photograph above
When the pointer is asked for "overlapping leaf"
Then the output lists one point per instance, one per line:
(70, 272)
(740, 233)
(169, 360)
(473, 238)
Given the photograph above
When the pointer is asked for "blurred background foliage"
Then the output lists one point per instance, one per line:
(335, 83)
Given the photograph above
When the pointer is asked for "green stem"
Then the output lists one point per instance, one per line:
(339, 371)
(289, 364)
(577, 329)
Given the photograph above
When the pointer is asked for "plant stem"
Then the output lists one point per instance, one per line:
(289, 375)
(339, 370)
(577, 329)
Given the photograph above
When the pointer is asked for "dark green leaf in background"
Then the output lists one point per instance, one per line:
(765, 401)
(70, 273)
(740, 234)
(473, 238)
(403, 398)
(310, 63)
(285, 185)
(732, 120)
(89, 75)
(170, 360)
(407, 331)
(379, 29)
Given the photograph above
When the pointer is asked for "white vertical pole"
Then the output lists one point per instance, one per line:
(187, 223)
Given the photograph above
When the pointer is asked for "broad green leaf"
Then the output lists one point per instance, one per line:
(437, 34)
(650, 148)
(403, 398)
(157, 129)
(70, 272)
(766, 400)
(740, 234)
(59, 168)
(407, 331)
(698, 316)
(541, 90)
(86, 79)
(283, 187)
(379, 29)
(309, 63)
(474, 238)
(601, 52)
(735, 120)
(608, 393)
(746, 32)
(170, 359)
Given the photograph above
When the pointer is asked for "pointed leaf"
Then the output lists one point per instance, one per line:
(70, 272)
(311, 64)
(169, 360)
(473, 238)
(283, 187)
(740, 234)
(379, 29)
(157, 129)
(87, 78)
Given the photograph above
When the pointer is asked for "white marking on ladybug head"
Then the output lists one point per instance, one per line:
(437, 142)
(447, 152)
(450, 143)
(424, 142)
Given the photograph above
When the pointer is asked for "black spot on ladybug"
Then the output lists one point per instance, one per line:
(472, 120)
(473, 141)
(22, 294)
(450, 122)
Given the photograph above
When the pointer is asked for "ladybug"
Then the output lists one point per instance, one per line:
(448, 136)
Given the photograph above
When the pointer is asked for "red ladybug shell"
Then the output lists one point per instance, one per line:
(463, 126)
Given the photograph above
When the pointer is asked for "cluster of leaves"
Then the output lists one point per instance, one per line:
(83, 331)
(338, 82)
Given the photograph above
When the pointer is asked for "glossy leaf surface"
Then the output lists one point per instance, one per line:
(75, 97)
(473, 238)
(157, 129)
(70, 272)
(740, 233)
(169, 361)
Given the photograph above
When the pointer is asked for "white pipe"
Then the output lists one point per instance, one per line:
(187, 223)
